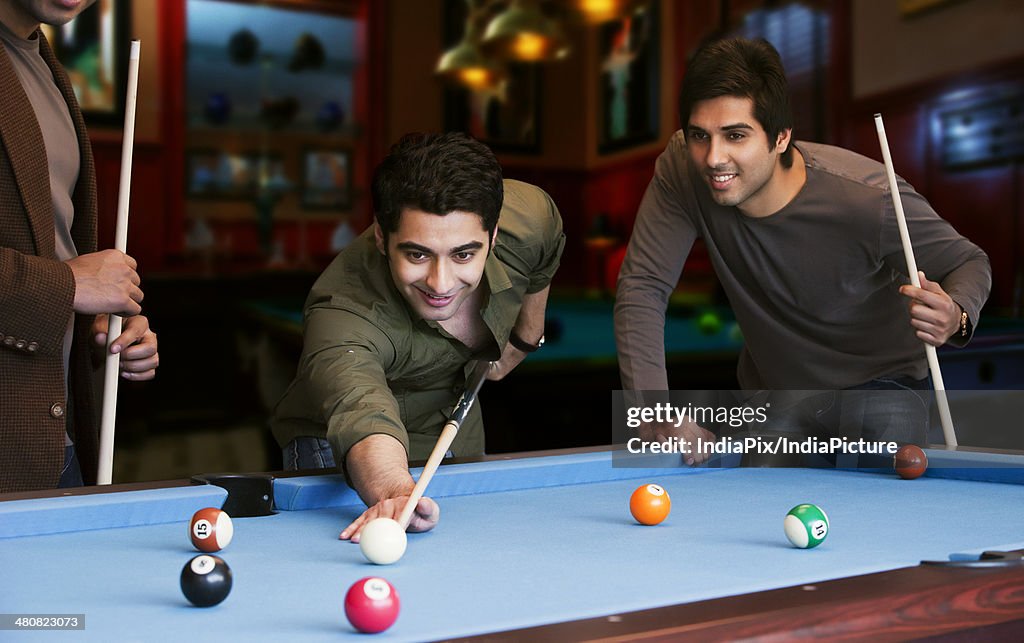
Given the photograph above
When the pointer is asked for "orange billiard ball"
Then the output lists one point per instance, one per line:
(650, 504)
(910, 462)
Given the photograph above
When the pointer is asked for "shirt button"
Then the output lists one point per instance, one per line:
(9, 341)
(57, 410)
(20, 344)
(32, 347)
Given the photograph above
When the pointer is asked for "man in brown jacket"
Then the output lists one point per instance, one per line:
(55, 288)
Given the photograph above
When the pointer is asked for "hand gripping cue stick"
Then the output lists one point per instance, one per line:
(908, 252)
(473, 384)
(113, 360)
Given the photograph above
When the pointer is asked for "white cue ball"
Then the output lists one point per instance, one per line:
(382, 541)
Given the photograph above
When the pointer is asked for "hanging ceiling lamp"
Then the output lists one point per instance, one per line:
(522, 32)
(598, 11)
(464, 64)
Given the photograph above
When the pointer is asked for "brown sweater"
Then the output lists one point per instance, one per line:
(36, 296)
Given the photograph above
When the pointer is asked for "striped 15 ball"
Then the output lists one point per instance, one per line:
(806, 526)
(210, 529)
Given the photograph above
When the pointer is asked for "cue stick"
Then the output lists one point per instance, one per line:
(908, 252)
(113, 360)
(473, 384)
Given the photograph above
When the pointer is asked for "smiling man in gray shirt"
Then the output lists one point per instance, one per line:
(804, 241)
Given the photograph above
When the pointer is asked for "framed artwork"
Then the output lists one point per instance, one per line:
(629, 54)
(508, 117)
(215, 174)
(94, 50)
(326, 179)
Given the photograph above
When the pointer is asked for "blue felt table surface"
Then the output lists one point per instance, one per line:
(507, 557)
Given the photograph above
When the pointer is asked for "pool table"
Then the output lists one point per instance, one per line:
(581, 337)
(544, 548)
(577, 361)
(579, 330)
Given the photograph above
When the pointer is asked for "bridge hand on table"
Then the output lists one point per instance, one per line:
(424, 518)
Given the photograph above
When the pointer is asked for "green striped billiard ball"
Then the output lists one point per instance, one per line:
(806, 526)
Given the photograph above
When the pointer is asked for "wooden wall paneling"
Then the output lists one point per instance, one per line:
(172, 166)
(979, 204)
(1017, 303)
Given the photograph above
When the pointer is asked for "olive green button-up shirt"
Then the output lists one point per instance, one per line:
(371, 365)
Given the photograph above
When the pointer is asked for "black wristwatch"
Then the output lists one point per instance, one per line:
(522, 344)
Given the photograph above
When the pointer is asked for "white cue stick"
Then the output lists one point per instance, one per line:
(908, 252)
(473, 384)
(113, 360)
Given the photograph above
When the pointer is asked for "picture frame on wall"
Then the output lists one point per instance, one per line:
(629, 57)
(93, 48)
(326, 179)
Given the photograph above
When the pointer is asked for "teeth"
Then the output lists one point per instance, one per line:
(722, 178)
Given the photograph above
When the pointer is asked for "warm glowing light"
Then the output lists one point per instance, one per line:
(600, 10)
(529, 46)
(476, 77)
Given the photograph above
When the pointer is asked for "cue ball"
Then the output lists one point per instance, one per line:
(910, 462)
(382, 541)
(371, 605)
(211, 529)
(806, 526)
(206, 580)
(650, 504)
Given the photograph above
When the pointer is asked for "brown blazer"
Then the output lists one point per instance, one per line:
(36, 295)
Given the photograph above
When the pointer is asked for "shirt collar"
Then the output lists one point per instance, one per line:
(494, 271)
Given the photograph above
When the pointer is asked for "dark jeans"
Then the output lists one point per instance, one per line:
(308, 453)
(71, 474)
(888, 409)
(882, 410)
(312, 453)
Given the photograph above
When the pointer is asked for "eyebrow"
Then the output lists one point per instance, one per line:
(409, 245)
(724, 128)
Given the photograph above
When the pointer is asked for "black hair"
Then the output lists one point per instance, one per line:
(744, 68)
(438, 173)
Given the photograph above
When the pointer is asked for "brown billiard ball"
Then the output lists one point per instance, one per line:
(210, 529)
(910, 462)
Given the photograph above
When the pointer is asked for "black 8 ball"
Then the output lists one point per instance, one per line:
(206, 580)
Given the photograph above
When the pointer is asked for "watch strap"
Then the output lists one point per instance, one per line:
(523, 345)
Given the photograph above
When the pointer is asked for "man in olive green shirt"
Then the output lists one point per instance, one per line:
(400, 317)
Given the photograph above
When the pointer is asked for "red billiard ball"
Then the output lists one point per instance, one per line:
(650, 504)
(206, 580)
(210, 529)
(910, 462)
(371, 605)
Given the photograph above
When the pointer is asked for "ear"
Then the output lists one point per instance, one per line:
(494, 236)
(785, 138)
(378, 235)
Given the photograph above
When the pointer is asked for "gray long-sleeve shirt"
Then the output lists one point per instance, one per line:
(815, 286)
